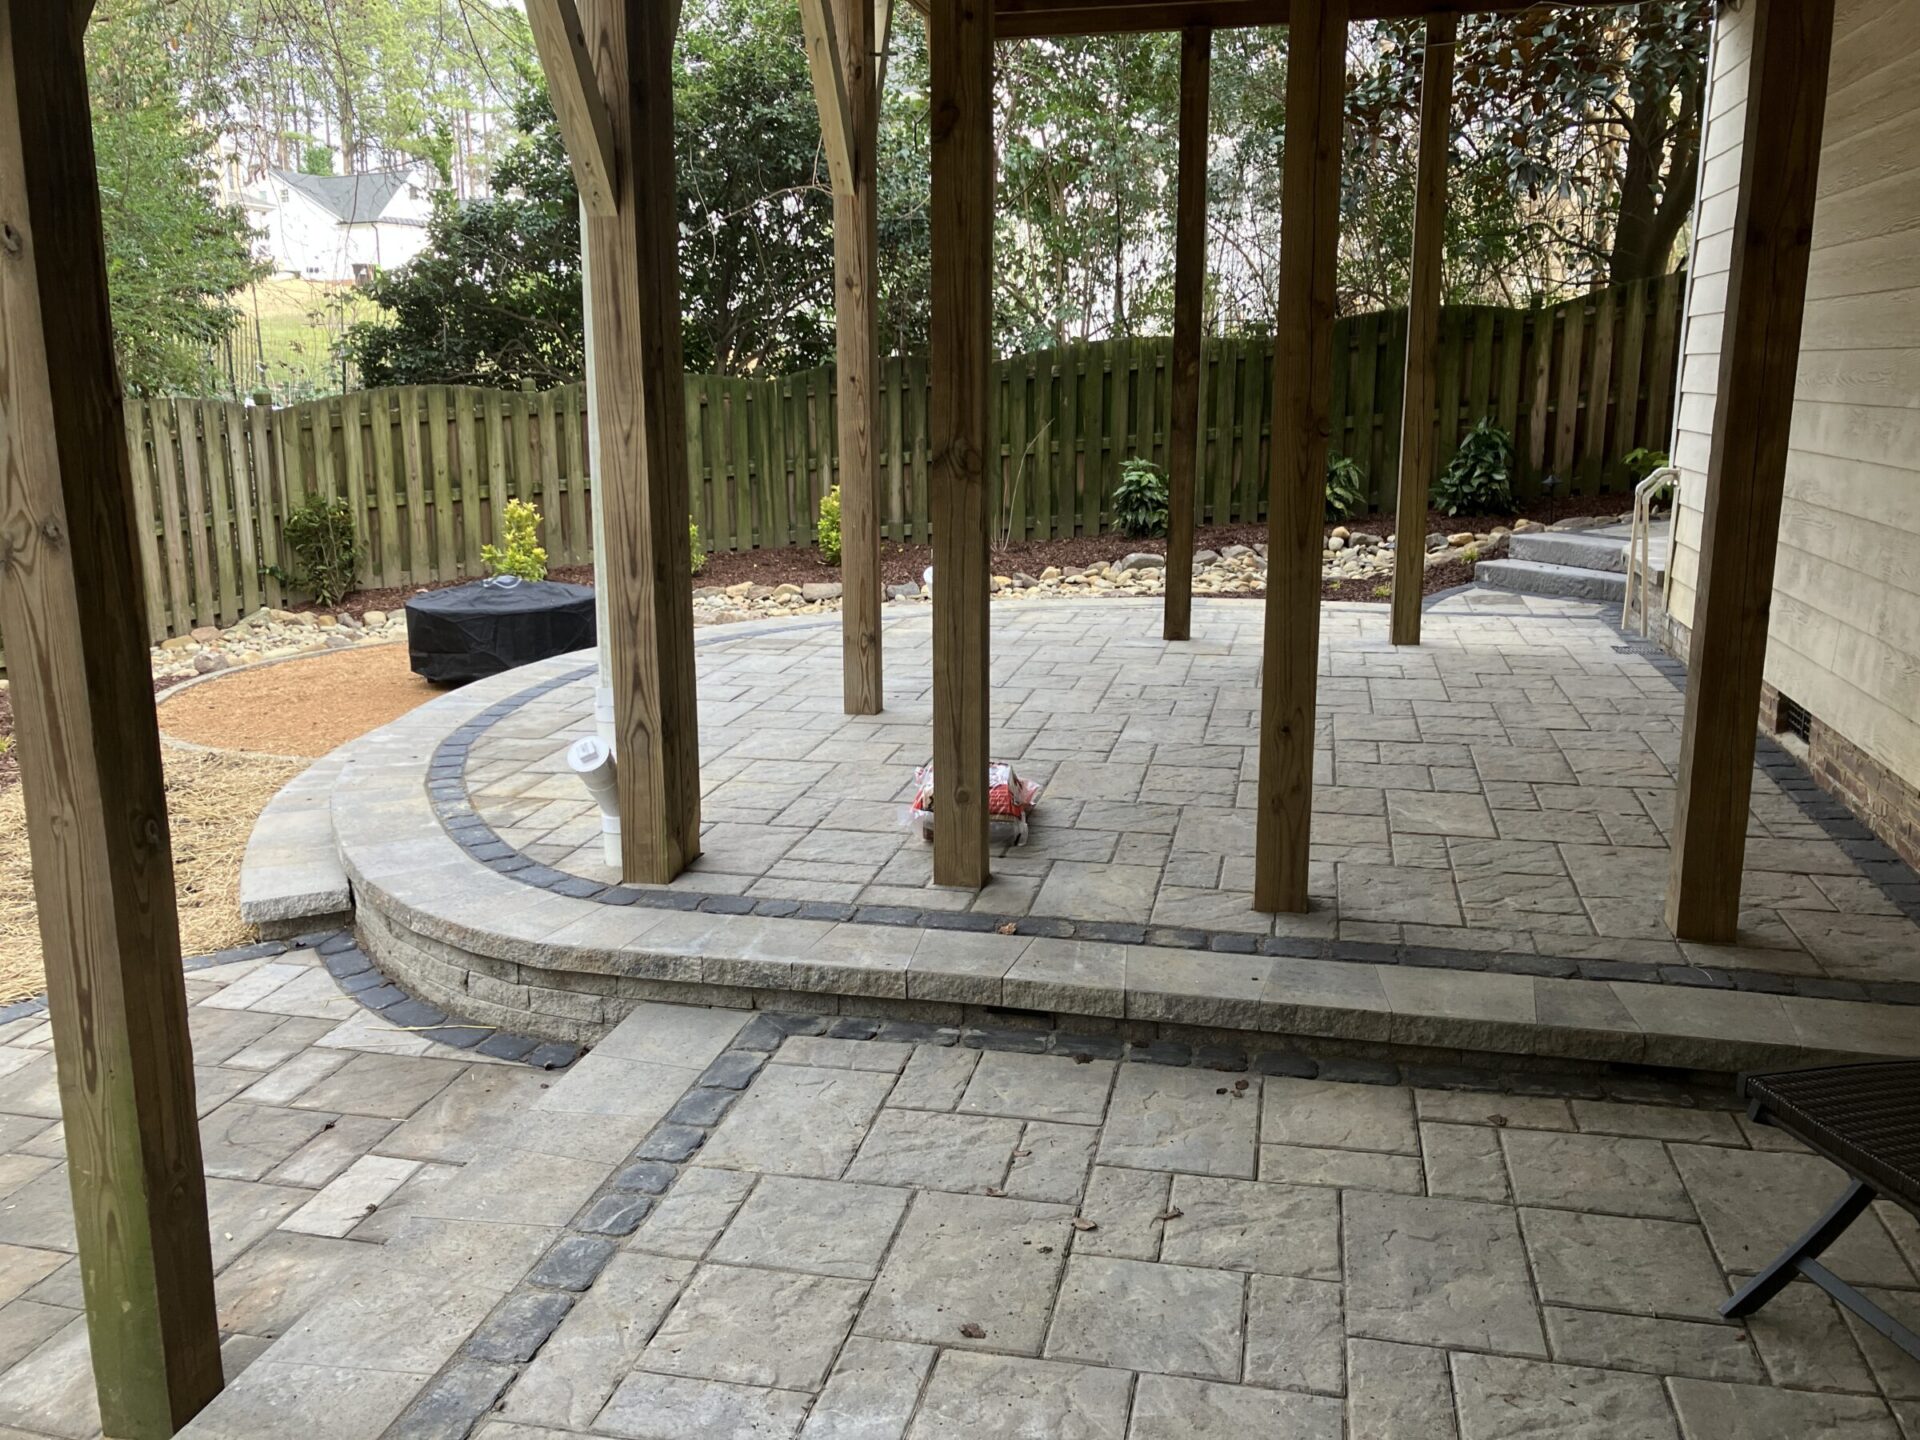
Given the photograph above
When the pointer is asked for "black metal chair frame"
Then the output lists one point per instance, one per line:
(1803, 1256)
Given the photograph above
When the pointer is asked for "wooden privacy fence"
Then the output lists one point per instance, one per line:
(1577, 385)
(427, 470)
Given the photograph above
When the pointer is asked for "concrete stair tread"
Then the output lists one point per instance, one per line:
(1539, 577)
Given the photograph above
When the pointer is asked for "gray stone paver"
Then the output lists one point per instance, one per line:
(1524, 743)
(1176, 1254)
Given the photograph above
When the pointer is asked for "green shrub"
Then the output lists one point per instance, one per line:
(523, 554)
(1140, 499)
(1346, 487)
(320, 541)
(1479, 478)
(827, 533)
(696, 550)
(1641, 463)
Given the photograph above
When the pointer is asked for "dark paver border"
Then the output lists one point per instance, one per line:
(447, 790)
(358, 978)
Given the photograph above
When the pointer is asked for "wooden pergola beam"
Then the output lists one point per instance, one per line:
(827, 61)
(960, 335)
(1747, 467)
(1302, 401)
(71, 605)
(1041, 19)
(585, 125)
(1189, 287)
(1419, 392)
(633, 259)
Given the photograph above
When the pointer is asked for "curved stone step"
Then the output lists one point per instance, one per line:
(1534, 577)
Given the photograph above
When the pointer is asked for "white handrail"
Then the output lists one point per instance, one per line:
(1640, 542)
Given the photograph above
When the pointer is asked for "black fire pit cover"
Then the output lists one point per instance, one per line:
(471, 631)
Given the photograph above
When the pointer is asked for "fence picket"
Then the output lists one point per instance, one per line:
(262, 448)
(144, 520)
(243, 508)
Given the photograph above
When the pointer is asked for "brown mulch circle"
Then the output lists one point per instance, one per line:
(305, 706)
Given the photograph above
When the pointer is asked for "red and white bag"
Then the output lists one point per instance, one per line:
(1009, 801)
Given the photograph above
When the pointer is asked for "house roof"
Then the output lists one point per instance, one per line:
(353, 199)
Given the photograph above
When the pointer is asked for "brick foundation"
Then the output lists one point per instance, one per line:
(1884, 802)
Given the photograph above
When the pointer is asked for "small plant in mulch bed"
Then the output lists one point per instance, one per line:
(1479, 478)
(1140, 499)
(523, 555)
(826, 531)
(697, 553)
(319, 536)
(1346, 487)
(1642, 462)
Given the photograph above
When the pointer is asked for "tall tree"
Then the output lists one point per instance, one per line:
(175, 254)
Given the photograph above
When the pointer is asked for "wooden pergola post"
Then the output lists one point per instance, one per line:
(845, 43)
(634, 300)
(1746, 471)
(960, 336)
(1423, 332)
(1302, 399)
(72, 609)
(1189, 286)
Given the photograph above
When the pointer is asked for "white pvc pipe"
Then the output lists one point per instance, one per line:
(592, 760)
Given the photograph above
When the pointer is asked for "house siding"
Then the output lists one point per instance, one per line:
(1844, 639)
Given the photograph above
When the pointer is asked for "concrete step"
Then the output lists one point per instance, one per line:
(1572, 549)
(1535, 577)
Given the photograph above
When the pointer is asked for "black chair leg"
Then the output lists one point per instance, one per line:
(1827, 1229)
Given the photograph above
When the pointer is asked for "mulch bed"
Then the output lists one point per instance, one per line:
(900, 564)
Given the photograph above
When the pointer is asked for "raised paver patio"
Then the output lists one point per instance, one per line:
(712, 1227)
(1490, 847)
(1506, 787)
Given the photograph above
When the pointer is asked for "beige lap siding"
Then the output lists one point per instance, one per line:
(1845, 634)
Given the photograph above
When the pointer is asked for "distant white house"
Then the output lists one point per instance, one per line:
(338, 227)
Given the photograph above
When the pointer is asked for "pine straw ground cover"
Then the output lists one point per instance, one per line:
(212, 801)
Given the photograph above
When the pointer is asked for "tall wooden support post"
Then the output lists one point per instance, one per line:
(844, 41)
(960, 335)
(1746, 472)
(1302, 399)
(1423, 332)
(640, 411)
(1189, 286)
(71, 609)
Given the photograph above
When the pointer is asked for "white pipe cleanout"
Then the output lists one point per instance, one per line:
(592, 760)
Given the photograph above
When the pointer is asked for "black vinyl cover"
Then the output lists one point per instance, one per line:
(471, 631)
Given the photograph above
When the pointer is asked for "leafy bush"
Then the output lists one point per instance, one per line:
(1479, 478)
(523, 555)
(1346, 487)
(696, 549)
(1641, 463)
(320, 541)
(827, 532)
(1140, 499)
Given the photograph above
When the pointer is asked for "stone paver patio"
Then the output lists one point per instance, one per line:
(722, 1224)
(1506, 788)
